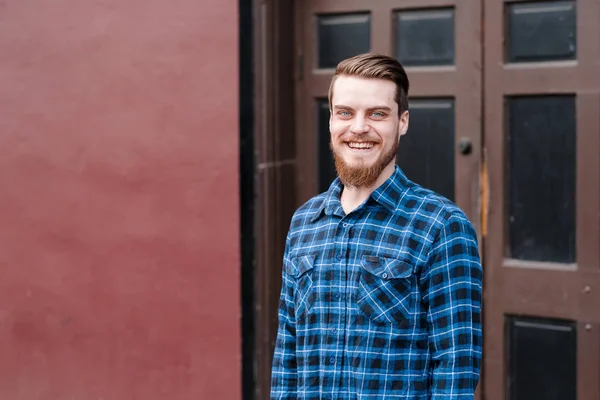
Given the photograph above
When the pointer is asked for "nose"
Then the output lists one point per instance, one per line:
(359, 125)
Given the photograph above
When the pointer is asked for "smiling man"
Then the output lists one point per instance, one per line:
(381, 282)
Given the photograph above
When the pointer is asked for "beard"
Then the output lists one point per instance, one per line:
(361, 176)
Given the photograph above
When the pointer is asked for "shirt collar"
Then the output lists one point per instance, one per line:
(388, 194)
(331, 201)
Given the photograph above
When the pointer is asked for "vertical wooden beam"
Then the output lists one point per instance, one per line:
(276, 169)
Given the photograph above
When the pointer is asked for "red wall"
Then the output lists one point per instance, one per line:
(119, 214)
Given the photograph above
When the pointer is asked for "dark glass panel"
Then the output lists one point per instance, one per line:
(341, 36)
(541, 178)
(541, 31)
(425, 37)
(542, 359)
(426, 152)
(326, 166)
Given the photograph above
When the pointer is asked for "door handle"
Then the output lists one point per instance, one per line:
(465, 146)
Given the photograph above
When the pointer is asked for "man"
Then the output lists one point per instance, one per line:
(381, 288)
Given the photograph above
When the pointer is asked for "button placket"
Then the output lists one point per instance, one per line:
(338, 332)
(344, 239)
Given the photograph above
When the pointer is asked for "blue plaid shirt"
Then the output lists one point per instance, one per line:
(382, 303)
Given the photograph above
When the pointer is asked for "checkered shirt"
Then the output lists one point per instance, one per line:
(382, 303)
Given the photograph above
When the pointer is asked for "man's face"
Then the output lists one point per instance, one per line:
(365, 128)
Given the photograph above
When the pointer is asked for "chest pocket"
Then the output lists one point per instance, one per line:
(385, 290)
(301, 268)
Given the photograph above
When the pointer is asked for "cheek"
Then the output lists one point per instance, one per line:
(337, 129)
(388, 132)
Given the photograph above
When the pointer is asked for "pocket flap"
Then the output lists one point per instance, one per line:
(301, 264)
(386, 267)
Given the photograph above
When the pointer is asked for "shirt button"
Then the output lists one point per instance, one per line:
(339, 256)
(384, 275)
(334, 330)
(346, 225)
(337, 295)
(332, 360)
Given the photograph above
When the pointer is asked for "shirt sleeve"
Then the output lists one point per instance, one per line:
(284, 373)
(453, 291)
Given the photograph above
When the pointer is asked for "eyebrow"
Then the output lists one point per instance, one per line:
(382, 108)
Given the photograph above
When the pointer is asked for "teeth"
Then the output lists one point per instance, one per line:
(360, 145)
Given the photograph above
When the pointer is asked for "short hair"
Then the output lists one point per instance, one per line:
(375, 66)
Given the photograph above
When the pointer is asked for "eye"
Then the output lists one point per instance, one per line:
(377, 114)
(344, 113)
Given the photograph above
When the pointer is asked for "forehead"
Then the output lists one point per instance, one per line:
(360, 92)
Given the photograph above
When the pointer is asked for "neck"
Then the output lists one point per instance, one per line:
(353, 196)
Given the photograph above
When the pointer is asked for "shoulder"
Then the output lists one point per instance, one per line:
(442, 214)
(306, 212)
(451, 234)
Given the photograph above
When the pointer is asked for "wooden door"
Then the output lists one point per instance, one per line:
(542, 265)
(530, 183)
(439, 43)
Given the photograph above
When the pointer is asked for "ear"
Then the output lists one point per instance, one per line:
(403, 124)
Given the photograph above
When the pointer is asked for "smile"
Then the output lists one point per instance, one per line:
(361, 145)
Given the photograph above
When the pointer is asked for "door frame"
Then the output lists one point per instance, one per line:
(274, 173)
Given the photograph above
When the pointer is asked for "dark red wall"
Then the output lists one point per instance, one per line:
(119, 214)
